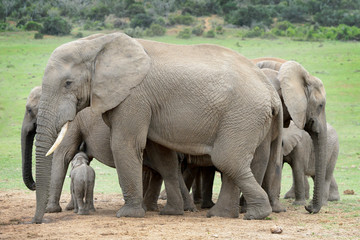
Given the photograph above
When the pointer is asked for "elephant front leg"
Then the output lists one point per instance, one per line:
(208, 175)
(299, 184)
(129, 170)
(153, 181)
(58, 174)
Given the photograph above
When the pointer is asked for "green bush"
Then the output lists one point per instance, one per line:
(198, 30)
(219, 30)
(134, 32)
(79, 35)
(155, 30)
(118, 23)
(185, 33)
(248, 16)
(210, 33)
(4, 26)
(181, 19)
(21, 23)
(141, 20)
(56, 26)
(32, 26)
(38, 35)
(255, 32)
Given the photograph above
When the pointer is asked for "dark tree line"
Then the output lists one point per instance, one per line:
(143, 13)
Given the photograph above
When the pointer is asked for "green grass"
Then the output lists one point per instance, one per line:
(23, 60)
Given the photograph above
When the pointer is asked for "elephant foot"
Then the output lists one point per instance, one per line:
(190, 207)
(207, 204)
(92, 209)
(289, 194)
(53, 208)
(334, 197)
(169, 210)
(152, 207)
(277, 207)
(257, 212)
(312, 209)
(129, 211)
(70, 206)
(217, 211)
(299, 202)
(83, 212)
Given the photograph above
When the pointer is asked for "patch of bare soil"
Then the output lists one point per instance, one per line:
(17, 209)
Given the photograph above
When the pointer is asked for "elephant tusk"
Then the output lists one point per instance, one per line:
(59, 139)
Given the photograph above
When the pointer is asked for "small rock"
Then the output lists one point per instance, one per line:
(276, 230)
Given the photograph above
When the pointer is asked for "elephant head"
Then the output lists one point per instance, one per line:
(305, 98)
(98, 71)
(28, 131)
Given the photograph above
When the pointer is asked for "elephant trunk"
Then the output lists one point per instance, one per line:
(45, 137)
(319, 141)
(27, 140)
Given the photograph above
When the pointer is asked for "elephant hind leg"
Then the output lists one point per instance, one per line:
(333, 192)
(258, 205)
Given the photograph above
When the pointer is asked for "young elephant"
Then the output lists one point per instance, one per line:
(82, 184)
(298, 151)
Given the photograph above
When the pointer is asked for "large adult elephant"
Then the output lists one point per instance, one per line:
(90, 129)
(199, 99)
(304, 98)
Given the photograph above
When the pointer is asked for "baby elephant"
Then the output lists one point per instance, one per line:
(298, 151)
(82, 184)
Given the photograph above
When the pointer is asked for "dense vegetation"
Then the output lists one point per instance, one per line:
(299, 19)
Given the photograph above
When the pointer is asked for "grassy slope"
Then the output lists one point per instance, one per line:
(23, 59)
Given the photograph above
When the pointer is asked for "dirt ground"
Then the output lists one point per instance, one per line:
(17, 209)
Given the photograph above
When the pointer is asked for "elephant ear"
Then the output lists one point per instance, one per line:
(294, 80)
(291, 137)
(272, 76)
(120, 65)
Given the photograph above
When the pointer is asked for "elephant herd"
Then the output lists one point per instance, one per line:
(164, 112)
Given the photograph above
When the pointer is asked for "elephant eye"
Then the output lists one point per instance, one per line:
(68, 84)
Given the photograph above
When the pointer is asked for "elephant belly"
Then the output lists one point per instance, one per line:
(190, 147)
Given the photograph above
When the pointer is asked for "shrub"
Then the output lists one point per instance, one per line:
(38, 35)
(198, 30)
(255, 32)
(294, 13)
(134, 32)
(181, 19)
(247, 16)
(219, 30)
(56, 26)
(118, 23)
(141, 20)
(4, 26)
(32, 26)
(79, 35)
(155, 30)
(210, 34)
(185, 33)
(22, 22)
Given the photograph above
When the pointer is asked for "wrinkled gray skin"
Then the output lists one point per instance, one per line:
(199, 100)
(28, 131)
(95, 134)
(304, 98)
(82, 184)
(299, 153)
